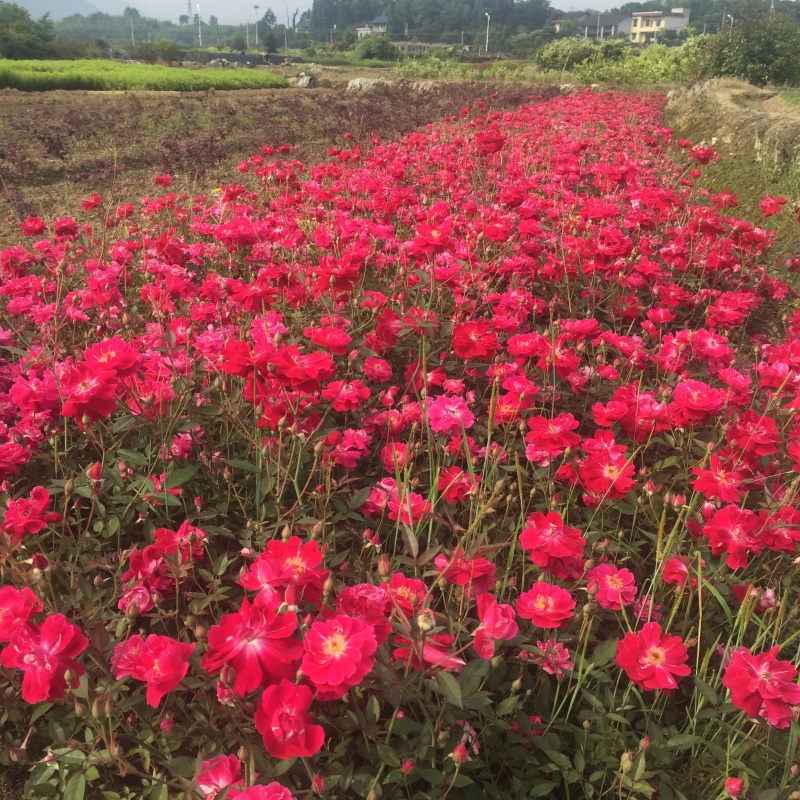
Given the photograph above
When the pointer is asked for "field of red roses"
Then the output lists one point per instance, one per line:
(464, 466)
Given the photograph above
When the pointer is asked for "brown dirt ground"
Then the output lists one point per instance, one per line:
(56, 148)
(11, 783)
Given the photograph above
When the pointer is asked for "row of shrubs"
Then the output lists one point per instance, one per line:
(759, 52)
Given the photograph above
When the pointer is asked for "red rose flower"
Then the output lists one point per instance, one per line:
(339, 652)
(763, 685)
(430, 652)
(26, 517)
(257, 644)
(407, 593)
(545, 605)
(455, 484)
(718, 481)
(16, 608)
(474, 340)
(272, 791)
(552, 545)
(771, 205)
(45, 652)
(89, 392)
(160, 661)
(489, 142)
(284, 564)
(497, 622)
(732, 530)
(475, 574)
(218, 773)
(652, 659)
(615, 587)
(33, 226)
(369, 604)
(285, 725)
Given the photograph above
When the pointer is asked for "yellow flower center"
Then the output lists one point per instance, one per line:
(615, 582)
(298, 564)
(334, 645)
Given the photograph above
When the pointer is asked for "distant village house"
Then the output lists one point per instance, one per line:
(375, 27)
(639, 26)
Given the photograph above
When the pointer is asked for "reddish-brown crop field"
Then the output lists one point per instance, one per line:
(58, 147)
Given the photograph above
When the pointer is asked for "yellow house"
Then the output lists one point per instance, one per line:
(647, 25)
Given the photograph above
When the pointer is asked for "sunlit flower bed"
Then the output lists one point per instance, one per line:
(465, 465)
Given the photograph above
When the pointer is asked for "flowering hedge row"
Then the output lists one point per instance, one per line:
(464, 464)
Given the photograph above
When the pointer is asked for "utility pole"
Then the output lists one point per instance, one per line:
(488, 20)
(199, 27)
(133, 38)
(256, 10)
(247, 34)
(286, 29)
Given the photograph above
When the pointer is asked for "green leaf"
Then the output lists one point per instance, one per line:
(559, 759)
(180, 476)
(132, 457)
(410, 540)
(639, 766)
(507, 705)
(542, 789)
(450, 688)
(471, 676)
(706, 691)
(362, 782)
(283, 766)
(159, 791)
(44, 790)
(76, 787)
(247, 466)
(429, 555)
(388, 756)
(183, 766)
(373, 709)
(683, 741)
(359, 498)
(41, 708)
(604, 652)
(431, 775)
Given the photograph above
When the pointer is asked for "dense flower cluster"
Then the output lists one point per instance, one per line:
(455, 412)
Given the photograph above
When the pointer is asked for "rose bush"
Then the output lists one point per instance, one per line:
(463, 464)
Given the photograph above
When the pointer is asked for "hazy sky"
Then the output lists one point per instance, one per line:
(239, 11)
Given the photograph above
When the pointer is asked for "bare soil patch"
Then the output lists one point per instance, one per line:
(56, 148)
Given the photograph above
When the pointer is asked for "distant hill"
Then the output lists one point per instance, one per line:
(58, 9)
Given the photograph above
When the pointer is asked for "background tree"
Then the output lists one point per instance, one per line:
(23, 37)
(131, 12)
(237, 43)
(183, 19)
(566, 53)
(759, 51)
(376, 48)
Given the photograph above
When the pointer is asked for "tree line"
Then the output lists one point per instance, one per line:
(749, 30)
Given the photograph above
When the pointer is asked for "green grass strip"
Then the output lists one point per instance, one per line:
(96, 75)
